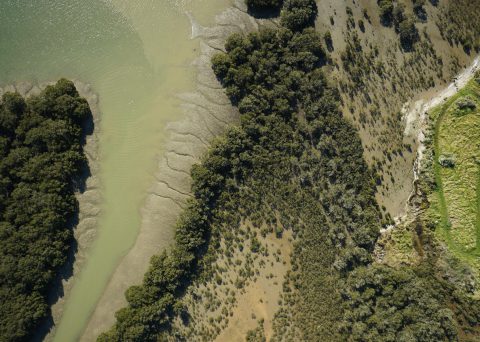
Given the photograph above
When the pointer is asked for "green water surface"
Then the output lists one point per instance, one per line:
(137, 55)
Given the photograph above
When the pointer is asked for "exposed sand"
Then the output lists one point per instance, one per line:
(207, 113)
(89, 199)
(261, 297)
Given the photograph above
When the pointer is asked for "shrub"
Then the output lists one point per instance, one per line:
(408, 33)
(386, 11)
(299, 14)
(327, 37)
(419, 9)
(466, 104)
(447, 160)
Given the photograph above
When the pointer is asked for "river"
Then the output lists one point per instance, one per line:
(137, 55)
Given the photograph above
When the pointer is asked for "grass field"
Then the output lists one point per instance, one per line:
(456, 201)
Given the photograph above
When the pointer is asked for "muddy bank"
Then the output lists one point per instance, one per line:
(415, 115)
(88, 199)
(207, 112)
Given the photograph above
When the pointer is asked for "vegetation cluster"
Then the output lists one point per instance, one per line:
(41, 163)
(406, 304)
(458, 23)
(393, 13)
(293, 163)
(292, 146)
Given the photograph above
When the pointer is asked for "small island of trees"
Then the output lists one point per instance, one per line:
(41, 163)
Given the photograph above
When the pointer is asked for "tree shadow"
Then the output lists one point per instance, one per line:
(264, 13)
(65, 272)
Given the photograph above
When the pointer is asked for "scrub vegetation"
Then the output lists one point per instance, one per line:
(457, 21)
(378, 78)
(294, 165)
(459, 24)
(293, 162)
(41, 163)
(393, 13)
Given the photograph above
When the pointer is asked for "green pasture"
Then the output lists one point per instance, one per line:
(456, 201)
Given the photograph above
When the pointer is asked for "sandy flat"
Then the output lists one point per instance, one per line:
(207, 113)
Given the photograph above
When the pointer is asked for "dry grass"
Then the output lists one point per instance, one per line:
(247, 288)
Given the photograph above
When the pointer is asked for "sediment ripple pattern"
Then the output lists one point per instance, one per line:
(207, 113)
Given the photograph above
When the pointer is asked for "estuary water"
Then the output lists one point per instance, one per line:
(137, 55)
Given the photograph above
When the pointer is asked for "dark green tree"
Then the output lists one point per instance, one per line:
(40, 165)
(386, 11)
(298, 14)
(408, 33)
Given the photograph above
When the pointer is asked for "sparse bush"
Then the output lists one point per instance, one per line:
(327, 37)
(361, 25)
(458, 23)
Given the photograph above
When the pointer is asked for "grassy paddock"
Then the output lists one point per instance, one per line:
(456, 201)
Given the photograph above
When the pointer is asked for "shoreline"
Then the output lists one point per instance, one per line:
(207, 113)
(415, 115)
(89, 201)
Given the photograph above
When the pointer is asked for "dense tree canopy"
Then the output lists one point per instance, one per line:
(386, 304)
(272, 76)
(41, 159)
(294, 152)
(298, 14)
